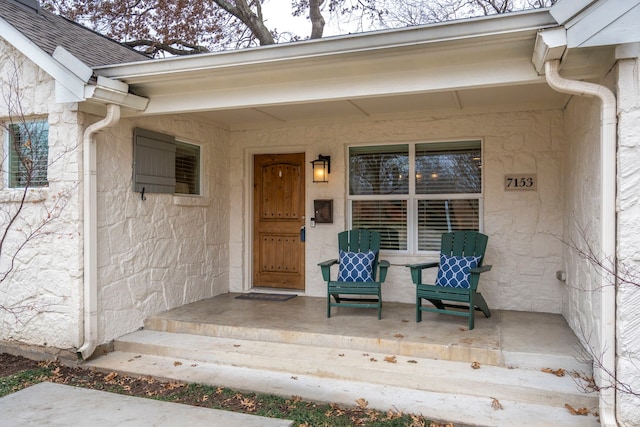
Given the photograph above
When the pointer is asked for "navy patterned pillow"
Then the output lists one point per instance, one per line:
(454, 270)
(356, 266)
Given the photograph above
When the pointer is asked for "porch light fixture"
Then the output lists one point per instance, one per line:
(321, 168)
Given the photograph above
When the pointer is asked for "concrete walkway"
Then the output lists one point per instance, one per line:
(49, 404)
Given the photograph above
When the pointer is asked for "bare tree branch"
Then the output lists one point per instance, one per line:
(24, 219)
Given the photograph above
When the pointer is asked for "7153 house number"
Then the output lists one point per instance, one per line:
(520, 182)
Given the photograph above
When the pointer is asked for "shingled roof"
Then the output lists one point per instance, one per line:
(48, 31)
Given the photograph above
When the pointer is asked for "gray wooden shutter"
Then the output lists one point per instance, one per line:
(154, 158)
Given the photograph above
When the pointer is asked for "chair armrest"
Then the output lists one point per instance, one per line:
(325, 266)
(328, 263)
(423, 265)
(478, 270)
(383, 265)
(416, 270)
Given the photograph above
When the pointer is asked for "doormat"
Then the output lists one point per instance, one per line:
(266, 297)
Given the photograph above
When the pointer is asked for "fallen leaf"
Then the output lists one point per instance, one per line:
(412, 361)
(237, 345)
(172, 385)
(557, 372)
(391, 359)
(462, 329)
(176, 363)
(574, 411)
(362, 403)
(341, 355)
(405, 321)
(248, 403)
(475, 365)
(373, 359)
(495, 404)
(365, 354)
(391, 414)
(294, 378)
(111, 376)
(398, 336)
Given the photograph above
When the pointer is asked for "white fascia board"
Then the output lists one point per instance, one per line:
(405, 81)
(564, 10)
(601, 18)
(505, 25)
(73, 85)
(73, 64)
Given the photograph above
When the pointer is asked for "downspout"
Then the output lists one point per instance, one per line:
(608, 119)
(90, 206)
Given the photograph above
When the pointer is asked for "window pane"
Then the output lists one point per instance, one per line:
(441, 216)
(187, 168)
(389, 217)
(451, 167)
(28, 154)
(379, 170)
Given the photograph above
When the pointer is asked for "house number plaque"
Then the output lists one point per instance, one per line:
(522, 182)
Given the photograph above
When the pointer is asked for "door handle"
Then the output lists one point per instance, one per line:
(303, 232)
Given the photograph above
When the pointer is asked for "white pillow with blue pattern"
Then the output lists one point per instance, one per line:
(454, 270)
(356, 266)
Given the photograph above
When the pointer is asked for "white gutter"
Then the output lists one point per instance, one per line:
(607, 228)
(508, 26)
(90, 298)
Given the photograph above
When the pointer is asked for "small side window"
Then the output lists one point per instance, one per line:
(28, 148)
(164, 165)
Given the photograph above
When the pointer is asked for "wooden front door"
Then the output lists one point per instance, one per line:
(278, 204)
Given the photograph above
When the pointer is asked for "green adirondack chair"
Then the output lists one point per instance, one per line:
(456, 288)
(360, 274)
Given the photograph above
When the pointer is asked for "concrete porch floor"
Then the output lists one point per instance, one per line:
(507, 338)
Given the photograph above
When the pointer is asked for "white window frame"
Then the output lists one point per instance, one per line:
(412, 198)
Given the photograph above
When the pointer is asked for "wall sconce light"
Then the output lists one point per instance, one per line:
(321, 168)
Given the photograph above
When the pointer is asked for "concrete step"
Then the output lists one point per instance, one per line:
(445, 390)
(397, 344)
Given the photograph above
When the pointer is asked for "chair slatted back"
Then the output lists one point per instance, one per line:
(361, 241)
(464, 243)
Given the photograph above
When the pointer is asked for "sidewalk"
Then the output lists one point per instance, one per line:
(49, 404)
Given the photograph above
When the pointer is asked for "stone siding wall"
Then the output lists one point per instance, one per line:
(628, 298)
(167, 250)
(40, 299)
(582, 189)
(524, 227)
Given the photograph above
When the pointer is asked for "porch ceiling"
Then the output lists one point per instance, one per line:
(481, 65)
(495, 99)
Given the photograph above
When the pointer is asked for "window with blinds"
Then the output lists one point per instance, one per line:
(164, 165)
(187, 168)
(445, 193)
(28, 147)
